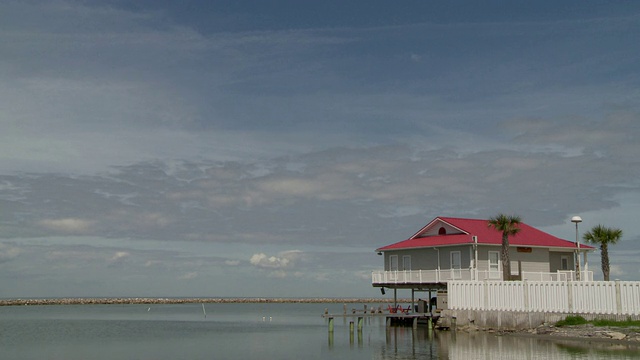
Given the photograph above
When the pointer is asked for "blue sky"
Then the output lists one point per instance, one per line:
(266, 148)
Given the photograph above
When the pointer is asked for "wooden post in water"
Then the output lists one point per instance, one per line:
(330, 332)
(415, 322)
(351, 332)
(360, 320)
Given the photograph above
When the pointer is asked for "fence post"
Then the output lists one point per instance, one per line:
(570, 296)
(526, 294)
(485, 294)
(618, 298)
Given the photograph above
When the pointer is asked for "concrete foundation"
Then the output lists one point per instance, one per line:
(512, 320)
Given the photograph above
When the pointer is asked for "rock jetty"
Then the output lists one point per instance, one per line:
(149, 300)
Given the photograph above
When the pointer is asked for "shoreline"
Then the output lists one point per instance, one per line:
(586, 334)
(152, 300)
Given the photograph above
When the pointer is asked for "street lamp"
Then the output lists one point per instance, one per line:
(577, 220)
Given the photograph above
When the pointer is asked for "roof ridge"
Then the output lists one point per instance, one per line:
(461, 218)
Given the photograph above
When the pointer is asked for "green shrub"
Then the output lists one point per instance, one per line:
(572, 320)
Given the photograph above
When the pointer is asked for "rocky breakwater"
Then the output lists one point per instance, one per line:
(147, 300)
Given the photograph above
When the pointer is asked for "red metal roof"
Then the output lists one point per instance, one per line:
(528, 236)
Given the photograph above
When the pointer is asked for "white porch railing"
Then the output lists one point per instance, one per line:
(445, 275)
(583, 297)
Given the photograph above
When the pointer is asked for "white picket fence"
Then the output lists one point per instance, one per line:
(579, 297)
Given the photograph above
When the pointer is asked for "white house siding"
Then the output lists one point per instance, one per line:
(539, 260)
(555, 260)
(435, 230)
(535, 261)
(427, 258)
(465, 256)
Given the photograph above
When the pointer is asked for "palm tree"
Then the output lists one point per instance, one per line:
(508, 224)
(603, 236)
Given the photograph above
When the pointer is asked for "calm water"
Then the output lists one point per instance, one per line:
(251, 331)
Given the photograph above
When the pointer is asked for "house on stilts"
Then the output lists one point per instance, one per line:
(450, 249)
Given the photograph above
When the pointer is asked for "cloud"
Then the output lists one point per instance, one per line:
(232, 262)
(119, 258)
(8, 252)
(68, 225)
(284, 260)
(616, 270)
(188, 276)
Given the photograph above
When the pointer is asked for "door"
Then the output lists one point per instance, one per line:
(406, 262)
(406, 267)
(456, 264)
(393, 267)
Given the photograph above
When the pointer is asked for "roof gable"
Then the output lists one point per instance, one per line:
(464, 230)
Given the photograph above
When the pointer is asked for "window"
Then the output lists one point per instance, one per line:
(494, 265)
(494, 261)
(406, 262)
(564, 262)
(456, 262)
(442, 231)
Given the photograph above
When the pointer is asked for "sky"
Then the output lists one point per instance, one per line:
(267, 148)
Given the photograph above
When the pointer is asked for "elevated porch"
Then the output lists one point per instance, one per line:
(429, 278)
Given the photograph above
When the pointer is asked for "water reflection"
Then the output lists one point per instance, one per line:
(481, 345)
(406, 343)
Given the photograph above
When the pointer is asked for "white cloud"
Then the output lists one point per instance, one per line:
(8, 252)
(616, 270)
(188, 276)
(283, 260)
(119, 256)
(232, 262)
(67, 225)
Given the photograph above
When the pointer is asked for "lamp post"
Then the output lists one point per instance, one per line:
(577, 220)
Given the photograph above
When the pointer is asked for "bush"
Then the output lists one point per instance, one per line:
(572, 320)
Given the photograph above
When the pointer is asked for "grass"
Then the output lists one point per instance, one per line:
(579, 320)
(572, 320)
